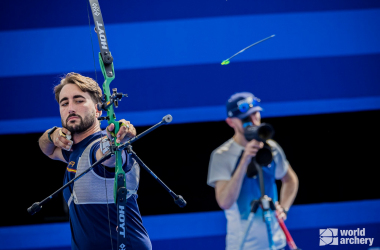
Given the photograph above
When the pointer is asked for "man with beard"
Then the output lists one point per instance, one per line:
(234, 191)
(80, 142)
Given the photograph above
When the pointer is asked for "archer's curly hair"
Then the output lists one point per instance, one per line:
(86, 84)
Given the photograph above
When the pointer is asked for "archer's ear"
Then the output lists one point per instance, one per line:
(98, 113)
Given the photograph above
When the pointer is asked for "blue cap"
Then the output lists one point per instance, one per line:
(242, 104)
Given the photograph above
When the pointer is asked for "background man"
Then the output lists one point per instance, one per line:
(90, 199)
(234, 191)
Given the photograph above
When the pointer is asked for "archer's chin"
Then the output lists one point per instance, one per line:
(72, 127)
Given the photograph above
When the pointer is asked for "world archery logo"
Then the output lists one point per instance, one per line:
(328, 236)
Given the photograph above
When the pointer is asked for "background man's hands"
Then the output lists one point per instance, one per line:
(251, 149)
(280, 211)
(60, 141)
(126, 131)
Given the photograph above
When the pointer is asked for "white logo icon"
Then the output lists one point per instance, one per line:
(122, 246)
(96, 9)
(328, 236)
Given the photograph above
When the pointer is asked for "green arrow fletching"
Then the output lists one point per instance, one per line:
(225, 62)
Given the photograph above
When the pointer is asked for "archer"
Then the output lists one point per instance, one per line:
(80, 143)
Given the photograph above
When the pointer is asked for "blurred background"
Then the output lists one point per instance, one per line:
(318, 80)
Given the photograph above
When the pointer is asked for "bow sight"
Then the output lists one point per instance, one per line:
(113, 100)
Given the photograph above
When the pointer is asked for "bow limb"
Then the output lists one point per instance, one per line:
(111, 99)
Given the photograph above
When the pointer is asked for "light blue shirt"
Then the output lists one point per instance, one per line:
(223, 162)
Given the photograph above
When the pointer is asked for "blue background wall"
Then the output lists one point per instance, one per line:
(324, 57)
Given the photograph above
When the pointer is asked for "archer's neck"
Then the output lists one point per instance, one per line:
(92, 130)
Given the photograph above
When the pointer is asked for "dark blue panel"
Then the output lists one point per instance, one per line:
(188, 231)
(209, 242)
(50, 248)
(194, 41)
(304, 238)
(29, 97)
(209, 85)
(24, 14)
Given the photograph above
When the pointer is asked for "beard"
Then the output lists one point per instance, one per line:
(83, 125)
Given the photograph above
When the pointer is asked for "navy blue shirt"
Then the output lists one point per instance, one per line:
(92, 209)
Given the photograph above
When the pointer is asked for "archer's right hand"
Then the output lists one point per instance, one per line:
(61, 138)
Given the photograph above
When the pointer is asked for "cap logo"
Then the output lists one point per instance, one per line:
(246, 100)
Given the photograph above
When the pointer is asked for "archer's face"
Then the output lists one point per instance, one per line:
(78, 111)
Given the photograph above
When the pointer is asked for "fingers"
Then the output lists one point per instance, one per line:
(280, 211)
(282, 215)
(61, 139)
(252, 147)
(109, 130)
(66, 132)
(251, 151)
(255, 144)
(126, 131)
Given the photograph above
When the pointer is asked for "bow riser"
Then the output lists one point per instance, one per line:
(112, 120)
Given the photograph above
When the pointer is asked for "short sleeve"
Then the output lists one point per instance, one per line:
(66, 155)
(218, 169)
(99, 170)
(279, 157)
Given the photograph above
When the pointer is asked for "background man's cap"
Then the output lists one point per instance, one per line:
(242, 104)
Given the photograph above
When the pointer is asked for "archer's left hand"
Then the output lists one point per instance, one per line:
(126, 131)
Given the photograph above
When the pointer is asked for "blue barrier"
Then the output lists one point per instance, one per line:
(208, 227)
